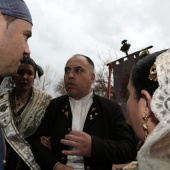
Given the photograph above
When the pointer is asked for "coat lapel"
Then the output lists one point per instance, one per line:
(66, 112)
(92, 116)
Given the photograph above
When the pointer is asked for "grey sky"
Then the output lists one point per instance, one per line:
(91, 27)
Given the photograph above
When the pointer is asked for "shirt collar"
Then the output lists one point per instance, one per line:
(84, 99)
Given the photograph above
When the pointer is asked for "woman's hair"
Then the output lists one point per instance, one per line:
(140, 73)
(28, 60)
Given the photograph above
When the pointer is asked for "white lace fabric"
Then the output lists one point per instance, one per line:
(160, 103)
(155, 153)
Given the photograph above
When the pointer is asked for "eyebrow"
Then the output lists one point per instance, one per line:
(74, 67)
(79, 67)
(25, 69)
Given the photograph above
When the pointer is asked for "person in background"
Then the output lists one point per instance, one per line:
(148, 109)
(28, 106)
(86, 131)
(15, 29)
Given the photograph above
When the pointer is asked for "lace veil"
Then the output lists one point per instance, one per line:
(155, 153)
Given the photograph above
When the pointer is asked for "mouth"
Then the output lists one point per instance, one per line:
(21, 59)
(24, 82)
(70, 85)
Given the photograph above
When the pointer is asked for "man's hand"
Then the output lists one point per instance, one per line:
(46, 142)
(60, 166)
(80, 141)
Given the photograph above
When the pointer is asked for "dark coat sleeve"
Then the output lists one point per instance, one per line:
(118, 145)
(45, 157)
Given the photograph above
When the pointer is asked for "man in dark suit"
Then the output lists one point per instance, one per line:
(86, 131)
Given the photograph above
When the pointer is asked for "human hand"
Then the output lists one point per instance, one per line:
(118, 166)
(79, 140)
(46, 141)
(60, 166)
(129, 166)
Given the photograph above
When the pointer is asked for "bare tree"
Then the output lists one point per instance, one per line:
(101, 81)
(60, 87)
(47, 81)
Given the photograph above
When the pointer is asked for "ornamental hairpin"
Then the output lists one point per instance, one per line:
(153, 73)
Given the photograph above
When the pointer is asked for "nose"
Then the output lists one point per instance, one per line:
(27, 49)
(71, 74)
(24, 75)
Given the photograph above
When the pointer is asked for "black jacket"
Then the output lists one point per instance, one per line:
(112, 140)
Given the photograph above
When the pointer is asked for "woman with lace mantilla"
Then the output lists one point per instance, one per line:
(148, 110)
(27, 105)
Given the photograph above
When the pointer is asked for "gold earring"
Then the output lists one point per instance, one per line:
(145, 126)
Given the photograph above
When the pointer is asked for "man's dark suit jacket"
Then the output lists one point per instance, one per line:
(112, 140)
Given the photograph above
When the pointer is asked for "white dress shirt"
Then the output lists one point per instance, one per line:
(79, 109)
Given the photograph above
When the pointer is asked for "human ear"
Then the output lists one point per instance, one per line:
(147, 99)
(152, 120)
(92, 77)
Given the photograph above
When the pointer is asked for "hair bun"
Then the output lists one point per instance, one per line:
(40, 71)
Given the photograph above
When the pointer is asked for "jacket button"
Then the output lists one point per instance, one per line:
(88, 167)
(96, 114)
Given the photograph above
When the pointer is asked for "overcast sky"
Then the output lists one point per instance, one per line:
(91, 27)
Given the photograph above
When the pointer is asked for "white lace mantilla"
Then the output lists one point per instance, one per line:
(155, 153)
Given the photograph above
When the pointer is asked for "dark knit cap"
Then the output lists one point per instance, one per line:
(15, 8)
